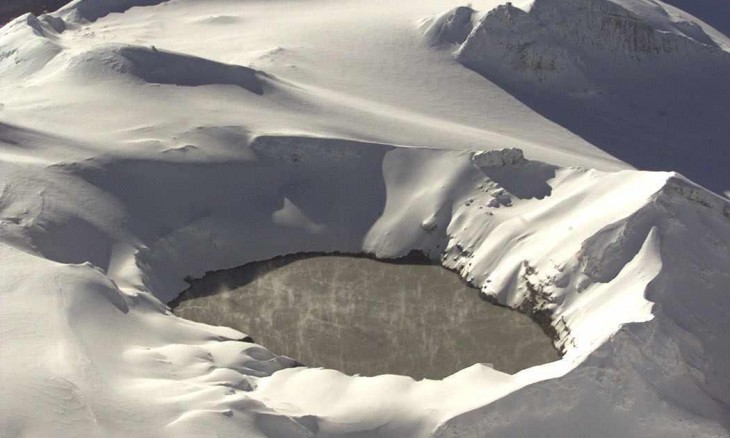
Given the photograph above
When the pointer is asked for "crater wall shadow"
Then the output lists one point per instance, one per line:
(204, 215)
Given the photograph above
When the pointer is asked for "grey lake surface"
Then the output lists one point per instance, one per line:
(364, 316)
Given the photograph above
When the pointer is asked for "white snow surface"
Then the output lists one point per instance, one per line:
(142, 141)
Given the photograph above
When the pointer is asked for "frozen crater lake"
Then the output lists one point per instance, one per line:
(365, 316)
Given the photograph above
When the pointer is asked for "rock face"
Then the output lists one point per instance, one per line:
(498, 158)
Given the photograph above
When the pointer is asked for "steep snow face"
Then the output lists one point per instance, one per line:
(125, 168)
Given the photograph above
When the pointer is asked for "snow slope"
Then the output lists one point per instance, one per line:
(143, 141)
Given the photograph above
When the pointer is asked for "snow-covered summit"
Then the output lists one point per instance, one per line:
(574, 43)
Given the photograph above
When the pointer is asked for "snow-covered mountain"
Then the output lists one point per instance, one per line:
(628, 76)
(145, 141)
